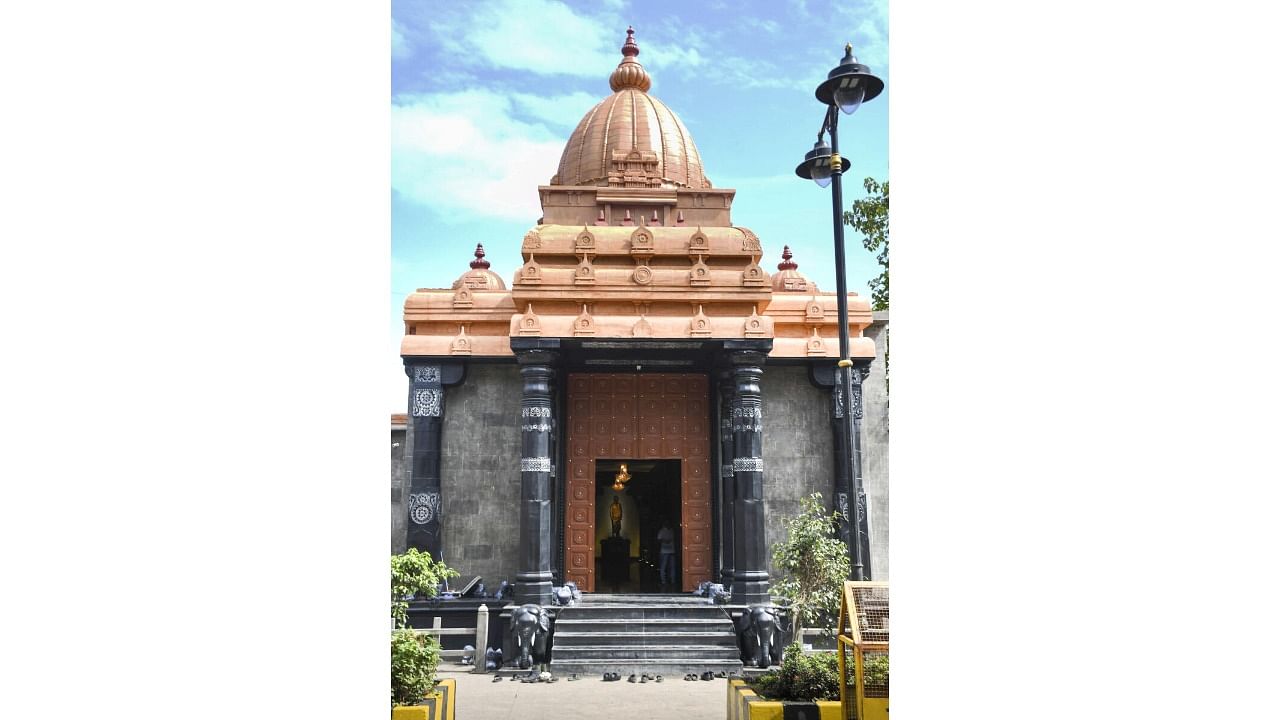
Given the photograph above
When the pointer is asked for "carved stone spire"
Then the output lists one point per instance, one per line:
(786, 263)
(479, 263)
(630, 73)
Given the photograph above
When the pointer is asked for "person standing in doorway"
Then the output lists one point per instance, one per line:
(666, 554)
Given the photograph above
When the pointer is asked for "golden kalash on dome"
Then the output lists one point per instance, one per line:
(634, 242)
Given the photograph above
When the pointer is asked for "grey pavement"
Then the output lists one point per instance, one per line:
(479, 698)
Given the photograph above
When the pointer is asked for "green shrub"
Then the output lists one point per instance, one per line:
(802, 677)
(414, 574)
(414, 659)
(875, 671)
(813, 564)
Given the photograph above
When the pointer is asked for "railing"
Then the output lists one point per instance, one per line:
(480, 633)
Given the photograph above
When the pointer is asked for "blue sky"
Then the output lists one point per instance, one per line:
(485, 94)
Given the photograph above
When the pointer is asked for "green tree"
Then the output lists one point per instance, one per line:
(813, 562)
(414, 573)
(870, 216)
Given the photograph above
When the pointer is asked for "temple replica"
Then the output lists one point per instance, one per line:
(642, 369)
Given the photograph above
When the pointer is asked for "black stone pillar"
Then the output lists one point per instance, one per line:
(841, 488)
(427, 382)
(858, 374)
(727, 490)
(537, 358)
(850, 497)
(750, 576)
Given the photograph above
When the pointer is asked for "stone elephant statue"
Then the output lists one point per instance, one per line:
(531, 635)
(763, 631)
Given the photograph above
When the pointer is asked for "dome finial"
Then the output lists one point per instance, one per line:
(630, 73)
(786, 263)
(479, 263)
(630, 48)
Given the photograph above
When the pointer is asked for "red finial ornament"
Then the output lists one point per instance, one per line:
(479, 263)
(630, 48)
(786, 263)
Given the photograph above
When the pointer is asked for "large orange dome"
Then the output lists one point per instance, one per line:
(631, 139)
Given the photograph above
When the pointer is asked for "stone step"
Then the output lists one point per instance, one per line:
(632, 625)
(637, 652)
(566, 639)
(671, 669)
(640, 599)
(643, 612)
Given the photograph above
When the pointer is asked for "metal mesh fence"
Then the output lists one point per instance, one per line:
(872, 605)
(864, 650)
(875, 673)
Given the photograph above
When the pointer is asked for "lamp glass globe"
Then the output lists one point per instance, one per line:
(849, 97)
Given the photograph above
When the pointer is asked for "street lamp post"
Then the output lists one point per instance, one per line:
(847, 86)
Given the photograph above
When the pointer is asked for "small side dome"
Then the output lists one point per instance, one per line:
(479, 277)
(788, 277)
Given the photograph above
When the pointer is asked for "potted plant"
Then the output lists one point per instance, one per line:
(416, 693)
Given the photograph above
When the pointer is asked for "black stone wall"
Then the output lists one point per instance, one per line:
(798, 455)
(480, 474)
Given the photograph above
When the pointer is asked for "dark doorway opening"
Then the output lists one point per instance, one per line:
(631, 509)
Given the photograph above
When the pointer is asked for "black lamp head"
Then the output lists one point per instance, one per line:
(817, 164)
(844, 82)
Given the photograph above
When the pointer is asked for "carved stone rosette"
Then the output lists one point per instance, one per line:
(750, 576)
(537, 359)
(427, 381)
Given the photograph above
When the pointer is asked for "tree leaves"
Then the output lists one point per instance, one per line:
(412, 574)
(870, 216)
(414, 659)
(815, 564)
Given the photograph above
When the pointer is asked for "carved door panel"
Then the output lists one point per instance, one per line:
(695, 482)
(630, 416)
(580, 489)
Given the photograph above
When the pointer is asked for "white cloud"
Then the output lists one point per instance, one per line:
(466, 153)
(871, 32)
(663, 56)
(400, 47)
(540, 36)
(560, 110)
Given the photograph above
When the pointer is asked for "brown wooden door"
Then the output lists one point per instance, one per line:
(631, 416)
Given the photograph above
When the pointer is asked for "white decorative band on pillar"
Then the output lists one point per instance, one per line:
(535, 464)
(426, 401)
(748, 464)
(535, 412)
(426, 374)
(748, 419)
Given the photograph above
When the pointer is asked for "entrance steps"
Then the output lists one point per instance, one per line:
(669, 635)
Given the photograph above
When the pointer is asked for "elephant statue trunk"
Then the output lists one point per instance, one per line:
(531, 636)
(762, 630)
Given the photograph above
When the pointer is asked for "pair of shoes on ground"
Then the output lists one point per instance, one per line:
(612, 677)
